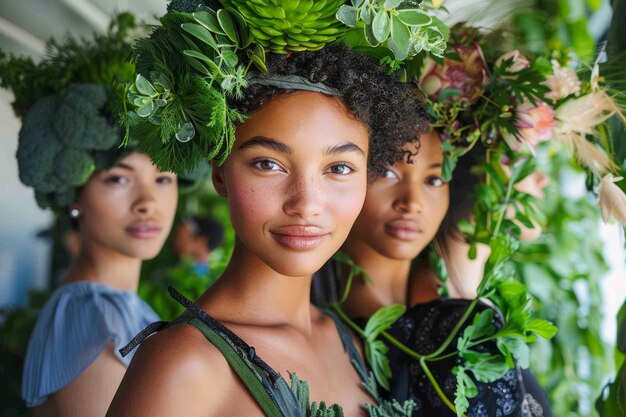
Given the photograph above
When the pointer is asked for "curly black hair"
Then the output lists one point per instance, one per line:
(393, 112)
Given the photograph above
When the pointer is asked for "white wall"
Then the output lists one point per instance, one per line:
(23, 257)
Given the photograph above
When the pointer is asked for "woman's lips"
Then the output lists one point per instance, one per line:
(299, 238)
(144, 230)
(406, 230)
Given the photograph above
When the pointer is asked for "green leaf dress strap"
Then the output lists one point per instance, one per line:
(244, 369)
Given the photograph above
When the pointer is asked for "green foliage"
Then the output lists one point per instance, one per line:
(98, 60)
(405, 28)
(557, 23)
(565, 261)
(375, 350)
(16, 325)
(59, 139)
(187, 70)
(312, 409)
(612, 402)
(67, 109)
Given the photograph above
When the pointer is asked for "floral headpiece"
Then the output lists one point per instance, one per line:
(67, 104)
(477, 95)
(205, 52)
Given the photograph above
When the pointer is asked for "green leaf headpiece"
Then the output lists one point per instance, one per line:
(205, 54)
(68, 109)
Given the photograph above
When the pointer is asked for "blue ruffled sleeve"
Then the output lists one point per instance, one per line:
(78, 322)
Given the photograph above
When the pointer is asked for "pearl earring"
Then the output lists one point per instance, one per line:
(74, 213)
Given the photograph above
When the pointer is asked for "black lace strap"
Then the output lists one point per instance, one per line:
(143, 335)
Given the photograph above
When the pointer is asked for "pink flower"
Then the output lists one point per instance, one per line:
(519, 61)
(466, 77)
(535, 124)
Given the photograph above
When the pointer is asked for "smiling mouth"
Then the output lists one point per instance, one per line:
(405, 231)
(300, 238)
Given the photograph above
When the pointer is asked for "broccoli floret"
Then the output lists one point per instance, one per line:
(38, 146)
(79, 121)
(59, 139)
(73, 167)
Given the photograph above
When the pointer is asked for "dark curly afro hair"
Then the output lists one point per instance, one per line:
(392, 111)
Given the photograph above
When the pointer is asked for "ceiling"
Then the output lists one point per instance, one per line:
(25, 25)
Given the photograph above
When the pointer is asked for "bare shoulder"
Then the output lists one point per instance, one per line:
(174, 372)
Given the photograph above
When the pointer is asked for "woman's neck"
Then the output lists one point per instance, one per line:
(252, 293)
(103, 266)
(464, 274)
(389, 279)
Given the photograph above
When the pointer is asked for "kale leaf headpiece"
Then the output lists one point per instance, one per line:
(68, 110)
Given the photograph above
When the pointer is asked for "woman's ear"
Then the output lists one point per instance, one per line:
(217, 175)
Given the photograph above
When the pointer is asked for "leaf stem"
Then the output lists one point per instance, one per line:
(454, 331)
(347, 320)
(438, 389)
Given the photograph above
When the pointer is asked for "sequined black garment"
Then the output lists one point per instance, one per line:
(424, 328)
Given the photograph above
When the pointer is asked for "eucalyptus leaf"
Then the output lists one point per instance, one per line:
(142, 101)
(146, 110)
(208, 19)
(381, 26)
(392, 4)
(200, 32)
(228, 24)
(348, 15)
(244, 36)
(414, 17)
(144, 86)
(230, 58)
(366, 15)
(185, 133)
(159, 79)
(198, 56)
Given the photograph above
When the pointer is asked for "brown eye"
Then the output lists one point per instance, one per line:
(116, 179)
(436, 182)
(341, 169)
(266, 165)
(389, 174)
(165, 180)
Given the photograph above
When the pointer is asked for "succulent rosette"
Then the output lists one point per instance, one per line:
(291, 26)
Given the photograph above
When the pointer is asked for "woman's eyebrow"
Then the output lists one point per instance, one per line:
(124, 166)
(346, 147)
(267, 143)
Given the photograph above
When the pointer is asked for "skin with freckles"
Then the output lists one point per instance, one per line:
(295, 183)
(126, 213)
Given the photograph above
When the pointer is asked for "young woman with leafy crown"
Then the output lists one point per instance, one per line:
(453, 356)
(294, 136)
(121, 204)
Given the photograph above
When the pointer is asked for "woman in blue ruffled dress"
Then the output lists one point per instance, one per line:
(120, 203)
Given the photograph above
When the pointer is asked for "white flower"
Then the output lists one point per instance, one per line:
(612, 199)
(562, 83)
